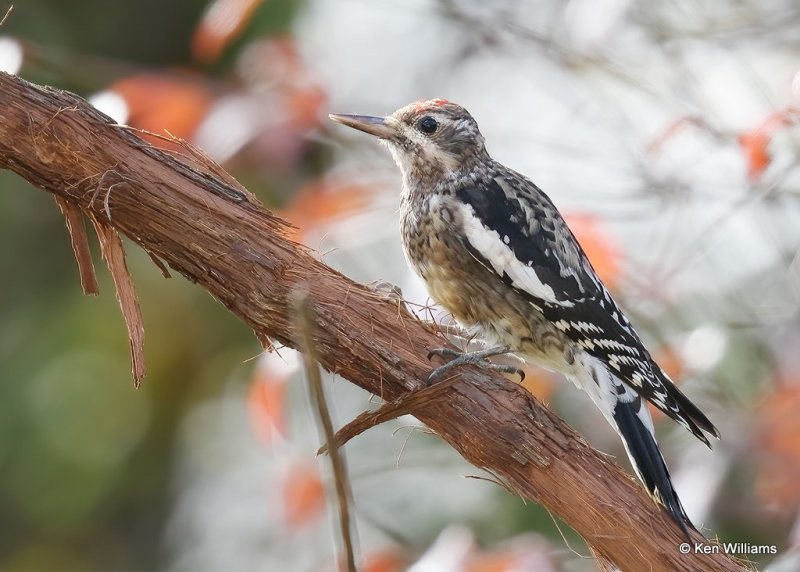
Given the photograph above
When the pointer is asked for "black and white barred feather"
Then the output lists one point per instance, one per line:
(546, 264)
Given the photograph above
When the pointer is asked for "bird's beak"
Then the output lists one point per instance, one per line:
(368, 124)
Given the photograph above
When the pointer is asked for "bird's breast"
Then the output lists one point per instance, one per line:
(432, 236)
(429, 233)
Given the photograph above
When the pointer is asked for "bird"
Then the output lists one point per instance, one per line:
(494, 251)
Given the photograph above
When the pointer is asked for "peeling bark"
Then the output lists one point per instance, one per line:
(73, 217)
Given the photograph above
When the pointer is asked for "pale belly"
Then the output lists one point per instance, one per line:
(480, 301)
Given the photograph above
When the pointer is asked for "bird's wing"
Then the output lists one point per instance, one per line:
(512, 228)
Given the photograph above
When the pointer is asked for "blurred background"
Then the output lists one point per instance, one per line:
(665, 131)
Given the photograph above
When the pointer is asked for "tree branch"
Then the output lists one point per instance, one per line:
(185, 210)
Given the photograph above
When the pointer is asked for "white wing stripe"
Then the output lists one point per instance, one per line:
(502, 259)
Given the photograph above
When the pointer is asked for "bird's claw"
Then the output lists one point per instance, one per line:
(387, 290)
(444, 352)
(476, 358)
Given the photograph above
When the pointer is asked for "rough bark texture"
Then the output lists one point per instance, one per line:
(188, 212)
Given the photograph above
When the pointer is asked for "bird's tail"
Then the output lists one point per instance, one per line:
(627, 412)
(647, 460)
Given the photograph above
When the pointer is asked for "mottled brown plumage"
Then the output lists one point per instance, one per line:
(495, 252)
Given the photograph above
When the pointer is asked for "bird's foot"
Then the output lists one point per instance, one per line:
(387, 290)
(410, 401)
(477, 358)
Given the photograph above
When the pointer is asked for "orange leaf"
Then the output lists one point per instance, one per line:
(265, 405)
(497, 562)
(754, 145)
(778, 456)
(539, 382)
(305, 105)
(303, 495)
(387, 560)
(599, 248)
(670, 361)
(164, 102)
(523, 554)
(266, 397)
(222, 23)
(324, 201)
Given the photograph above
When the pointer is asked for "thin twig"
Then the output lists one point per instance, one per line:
(305, 326)
(8, 13)
(388, 411)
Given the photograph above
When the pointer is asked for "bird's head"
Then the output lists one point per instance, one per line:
(428, 139)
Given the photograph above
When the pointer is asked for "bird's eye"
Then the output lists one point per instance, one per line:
(427, 124)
